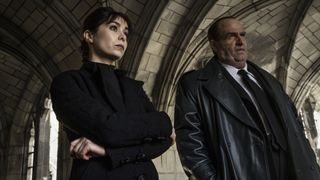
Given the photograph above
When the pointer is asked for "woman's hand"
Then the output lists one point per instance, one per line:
(83, 148)
(173, 136)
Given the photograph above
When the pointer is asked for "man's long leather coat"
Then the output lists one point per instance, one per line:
(216, 136)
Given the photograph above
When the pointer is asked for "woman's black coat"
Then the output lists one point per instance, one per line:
(87, 104)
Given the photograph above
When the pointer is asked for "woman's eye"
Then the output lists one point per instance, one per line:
(113, 28)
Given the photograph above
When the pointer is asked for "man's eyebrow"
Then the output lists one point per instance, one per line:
(231, 32)
(234, 33)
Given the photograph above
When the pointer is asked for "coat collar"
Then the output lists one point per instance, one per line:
(221, 89)
(93, 67)
(106, 76)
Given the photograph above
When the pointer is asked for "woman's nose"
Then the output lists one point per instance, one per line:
(122, 36)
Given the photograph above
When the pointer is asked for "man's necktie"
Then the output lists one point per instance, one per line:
(269, 119)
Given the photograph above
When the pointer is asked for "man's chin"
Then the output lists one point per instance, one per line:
(240, 63)
(240, 60)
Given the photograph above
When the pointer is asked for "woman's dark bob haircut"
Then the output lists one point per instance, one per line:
(102, 15)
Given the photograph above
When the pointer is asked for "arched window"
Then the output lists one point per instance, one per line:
(31, 153)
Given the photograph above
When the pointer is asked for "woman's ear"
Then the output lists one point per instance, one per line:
(88, 36)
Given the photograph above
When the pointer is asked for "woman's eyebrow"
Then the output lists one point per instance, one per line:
(115, 23)
(118, 24)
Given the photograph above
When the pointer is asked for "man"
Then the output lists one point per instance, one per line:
(233, 124)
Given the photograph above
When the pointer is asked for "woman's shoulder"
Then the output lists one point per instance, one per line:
(67, 74)
(122, 75)
(67, 78)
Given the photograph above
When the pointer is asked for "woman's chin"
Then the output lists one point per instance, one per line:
(112, 57)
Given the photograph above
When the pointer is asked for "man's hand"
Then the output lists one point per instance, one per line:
(83, 148)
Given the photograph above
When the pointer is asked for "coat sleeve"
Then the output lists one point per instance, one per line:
(83, 114)
(149, 149)
(142, 152)
(191, 145)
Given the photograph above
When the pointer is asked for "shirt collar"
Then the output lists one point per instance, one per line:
(233, 70)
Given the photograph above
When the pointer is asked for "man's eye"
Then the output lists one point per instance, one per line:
(230, 35)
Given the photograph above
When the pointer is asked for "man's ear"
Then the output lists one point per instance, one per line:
(88, 36)
(213, 45)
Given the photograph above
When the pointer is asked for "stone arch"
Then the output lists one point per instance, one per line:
(199, 47)
(303, 66)
(306, 83)
(172, 28)
(28, 110)
(142, 33)
(34, 80)
(64, 19)
(293, 30)
(16, 43)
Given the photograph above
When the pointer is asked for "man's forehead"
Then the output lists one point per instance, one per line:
(232, 32)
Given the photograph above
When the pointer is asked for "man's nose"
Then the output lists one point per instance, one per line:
(239, 40)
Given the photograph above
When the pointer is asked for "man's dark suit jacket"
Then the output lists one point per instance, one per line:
(87, 102)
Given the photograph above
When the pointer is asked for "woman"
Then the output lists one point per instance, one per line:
(113, 128)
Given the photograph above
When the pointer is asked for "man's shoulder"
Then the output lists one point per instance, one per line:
(262, 71)
(190, 79)
(272, 80)
(190, 75)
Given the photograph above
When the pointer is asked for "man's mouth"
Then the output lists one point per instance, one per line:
(240, 50)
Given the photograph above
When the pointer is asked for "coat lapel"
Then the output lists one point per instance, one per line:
(222, 90)
(130, 92)
(105, 82)
(112, 91)
(269, 88)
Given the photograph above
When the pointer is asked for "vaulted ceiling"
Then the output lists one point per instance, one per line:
(41, 38)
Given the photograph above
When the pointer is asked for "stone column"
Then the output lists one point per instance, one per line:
(41, 163)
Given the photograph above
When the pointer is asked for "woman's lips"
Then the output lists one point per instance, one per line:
(120, 46)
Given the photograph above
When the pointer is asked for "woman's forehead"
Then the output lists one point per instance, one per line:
(121, 21)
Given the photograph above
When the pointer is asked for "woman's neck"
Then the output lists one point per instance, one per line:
(108, 62)
(101, 60)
